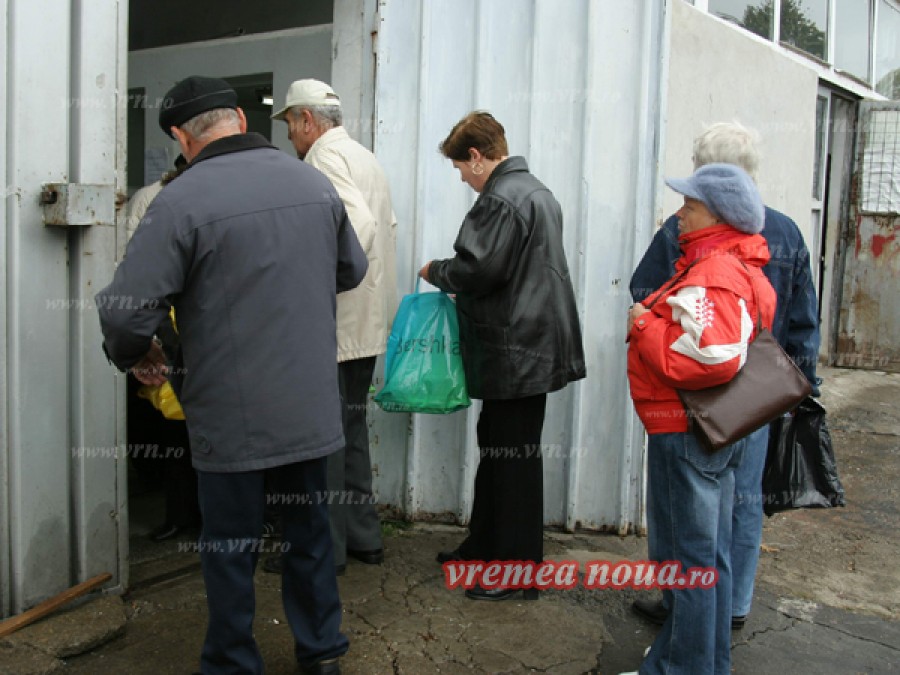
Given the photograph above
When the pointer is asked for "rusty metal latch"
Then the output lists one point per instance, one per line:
(78, 204)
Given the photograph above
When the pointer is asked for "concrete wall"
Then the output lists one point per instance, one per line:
(720, 73)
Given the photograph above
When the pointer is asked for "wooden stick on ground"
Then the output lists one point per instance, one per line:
(50, 605)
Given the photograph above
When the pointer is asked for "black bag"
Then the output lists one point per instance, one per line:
(800, 468)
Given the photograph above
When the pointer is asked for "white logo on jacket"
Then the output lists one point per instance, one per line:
(696, 313)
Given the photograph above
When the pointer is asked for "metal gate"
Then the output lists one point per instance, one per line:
(62, 480)
(869, 315)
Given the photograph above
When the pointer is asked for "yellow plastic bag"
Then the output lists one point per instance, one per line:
(163, 396)
(163, 399)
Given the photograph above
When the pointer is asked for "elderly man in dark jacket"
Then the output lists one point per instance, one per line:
(249, 246)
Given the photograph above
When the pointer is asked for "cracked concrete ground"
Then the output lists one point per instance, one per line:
(827, 601)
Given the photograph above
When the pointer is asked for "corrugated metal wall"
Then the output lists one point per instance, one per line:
(61, 484)
(577, 84)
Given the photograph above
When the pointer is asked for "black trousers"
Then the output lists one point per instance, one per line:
(508, 510)
(161, 448)
(355, 523)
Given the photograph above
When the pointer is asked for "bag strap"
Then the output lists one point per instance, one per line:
(674, 280)
(759, 325)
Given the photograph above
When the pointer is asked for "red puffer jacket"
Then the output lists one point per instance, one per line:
(697, 330)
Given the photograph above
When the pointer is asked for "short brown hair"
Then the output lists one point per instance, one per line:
(477, 130)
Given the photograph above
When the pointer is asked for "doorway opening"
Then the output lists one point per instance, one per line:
(258, 54)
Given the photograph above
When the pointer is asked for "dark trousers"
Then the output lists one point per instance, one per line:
(354, 519)
(161, 446)
(232, 505)
(508, 511)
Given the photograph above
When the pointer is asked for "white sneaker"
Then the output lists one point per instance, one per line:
(634, 672)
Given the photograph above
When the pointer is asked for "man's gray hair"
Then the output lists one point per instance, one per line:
(325, 115)
(200, 125)
(728, 143)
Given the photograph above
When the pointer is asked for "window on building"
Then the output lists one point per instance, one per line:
(851, 37)
(887, 51)
(804, 24)
(754, 15)
(821, 116)
(845, 40)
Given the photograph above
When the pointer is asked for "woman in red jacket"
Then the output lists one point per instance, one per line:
(692, 334)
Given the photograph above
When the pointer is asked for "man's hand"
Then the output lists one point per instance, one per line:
(152, 368)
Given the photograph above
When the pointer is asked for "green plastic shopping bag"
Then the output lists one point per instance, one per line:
(423, 369)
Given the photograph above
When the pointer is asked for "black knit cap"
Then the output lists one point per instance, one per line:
(192, 96)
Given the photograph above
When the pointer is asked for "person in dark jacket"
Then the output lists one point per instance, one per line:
(519, 335)
(250, 246)
(796, 327)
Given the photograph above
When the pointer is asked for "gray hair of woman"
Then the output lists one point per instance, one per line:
(728, 143)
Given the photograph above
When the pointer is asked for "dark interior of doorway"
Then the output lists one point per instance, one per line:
(161, 484)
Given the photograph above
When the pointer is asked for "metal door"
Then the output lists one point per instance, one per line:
(868, 334)
(62, 500)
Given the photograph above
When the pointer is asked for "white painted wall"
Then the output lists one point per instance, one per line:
(289, 55)
(720, 73)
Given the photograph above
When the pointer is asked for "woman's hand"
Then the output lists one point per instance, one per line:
(424, 271)
(636, 310)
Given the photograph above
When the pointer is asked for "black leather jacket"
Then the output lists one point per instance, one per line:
(518, 322)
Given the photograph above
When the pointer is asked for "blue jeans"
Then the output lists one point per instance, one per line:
(690, 508)
(747, 521)
(232, 505)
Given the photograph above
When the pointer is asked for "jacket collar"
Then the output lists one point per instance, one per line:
(719, 240)
(229, 144)
(333, 135)
(508, 165)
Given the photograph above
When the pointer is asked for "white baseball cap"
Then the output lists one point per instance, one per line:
(307, 92)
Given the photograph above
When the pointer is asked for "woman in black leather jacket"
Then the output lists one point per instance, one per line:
(519, 334)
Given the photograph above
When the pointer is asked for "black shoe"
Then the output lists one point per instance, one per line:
(326, 667)
(165, 532)
(652, 610)
(374, 557)
(270, 530)
(655, 612)
(448, 556)
(479, 593)
(275, 565)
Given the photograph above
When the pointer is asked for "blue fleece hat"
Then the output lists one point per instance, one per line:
(728, 192)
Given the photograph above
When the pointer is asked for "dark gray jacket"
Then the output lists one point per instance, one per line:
(250, 246)
(518, 323)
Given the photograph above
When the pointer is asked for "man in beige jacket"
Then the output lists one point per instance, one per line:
(313, 114)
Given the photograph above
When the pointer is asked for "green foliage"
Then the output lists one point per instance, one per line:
(796, 28)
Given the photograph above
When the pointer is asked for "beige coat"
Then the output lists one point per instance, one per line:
(137, 206)
(364, 314)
